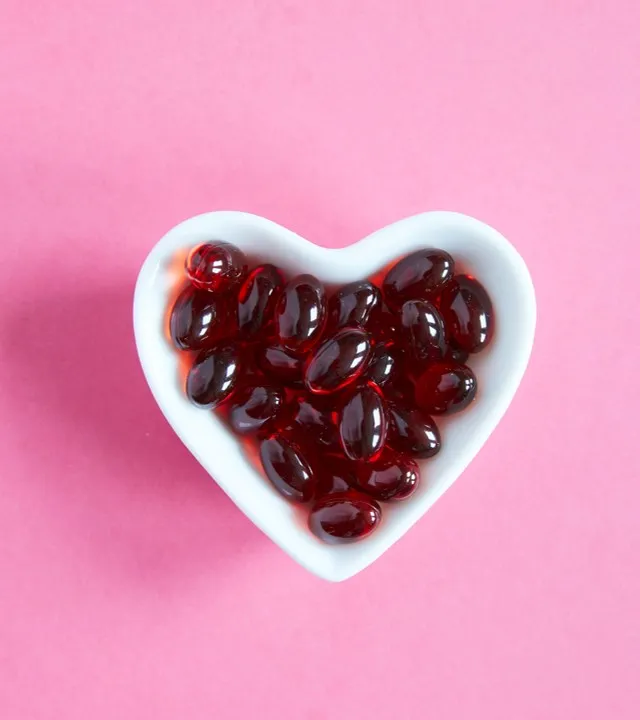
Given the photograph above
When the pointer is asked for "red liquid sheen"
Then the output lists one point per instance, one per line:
(216, 266)
(343, 518)
(422, 331)
(335, 475)
(459, 357)
(301, 313)
(338, 361)
(286, 467)
(385, 331)
(468, 313)
(445, 388)
(363, 424)
(313, 421)
(198, 319)
(257, 302)
(381, 366)
(354, 305)
(255, 410)
(393, 477)
(280, 365)
(418, 276)
(214, 376)
(411, 432)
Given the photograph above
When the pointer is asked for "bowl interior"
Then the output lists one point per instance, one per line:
(477, 248)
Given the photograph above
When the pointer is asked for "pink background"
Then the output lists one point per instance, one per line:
(130, 587)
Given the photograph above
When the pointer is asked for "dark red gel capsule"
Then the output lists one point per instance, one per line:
(255, 409)
(286, 467)
(418, 276)
(344, 517)
(381, 366)
(423, 332)
(354, 305)
(257, 300)
(280, 365)
(393, 477)
(216, 266)
(214, 376)
(468, 313)
(198, 319)
(445, 388)
(411, 432)
(301, 313)
(338, 361)
(363, 424)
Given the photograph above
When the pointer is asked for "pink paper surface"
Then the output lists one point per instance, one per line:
(130, 586)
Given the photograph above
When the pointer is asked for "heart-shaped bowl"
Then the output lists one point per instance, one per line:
(477, 249)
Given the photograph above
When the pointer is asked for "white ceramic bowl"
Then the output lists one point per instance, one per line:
(476, 247)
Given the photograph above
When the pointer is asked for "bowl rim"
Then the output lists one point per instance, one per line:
(332, 265)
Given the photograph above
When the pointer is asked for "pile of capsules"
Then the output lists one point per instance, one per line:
(335, 389)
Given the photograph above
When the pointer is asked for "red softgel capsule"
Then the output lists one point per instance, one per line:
(198, 319)
(445, 388)
(257, 300)
(286, 467)
(216, 266)
(338, 361)
(344, 517)
(354, 305)
(393, 477)
(281, 365)
(214, 376)
(422, 332)
(301, 313)
(411, 432)
(363, 424)
(418, 276)
(255, 410)
(468, 313)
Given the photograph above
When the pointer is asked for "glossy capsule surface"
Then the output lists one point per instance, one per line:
(412, 432)
(214, 376)
(255, 409)
(393, 477)
(354, 305)
(216, 266)
(344, 517)
(363, 424)
(286, 467)
(382, 365)
(198, 319)
(445, 388)
(257, 300)
(301, 313)
(468, 313)
(418, 276)
(338, 361)
(423, 332)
